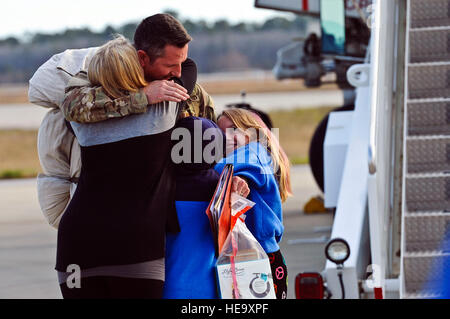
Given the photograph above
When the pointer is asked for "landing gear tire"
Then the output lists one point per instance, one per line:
(312, 83)
(341, 75)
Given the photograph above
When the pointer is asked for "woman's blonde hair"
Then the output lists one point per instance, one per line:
(115, 66)
(245, 120)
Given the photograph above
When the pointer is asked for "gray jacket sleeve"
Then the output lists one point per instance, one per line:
(58, 149)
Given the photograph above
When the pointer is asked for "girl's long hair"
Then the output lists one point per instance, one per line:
(115, 67)
(245, 120)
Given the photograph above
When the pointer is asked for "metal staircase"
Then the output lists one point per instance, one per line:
(426, 171)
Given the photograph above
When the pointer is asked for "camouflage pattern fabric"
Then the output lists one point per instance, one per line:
(200, 104)
(84, 103)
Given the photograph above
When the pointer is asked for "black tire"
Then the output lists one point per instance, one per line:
(312, 83)
(316, 147)
(341, 75)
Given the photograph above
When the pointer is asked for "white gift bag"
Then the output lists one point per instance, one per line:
(243, 267)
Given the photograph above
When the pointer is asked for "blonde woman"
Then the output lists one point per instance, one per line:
(111, 236)
(258, 158)
(117, 79)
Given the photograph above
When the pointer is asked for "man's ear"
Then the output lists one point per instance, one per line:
(143, 58)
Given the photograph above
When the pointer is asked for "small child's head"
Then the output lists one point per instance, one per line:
(242, 127)
(115, 66)
(197, 144)
(239, 126)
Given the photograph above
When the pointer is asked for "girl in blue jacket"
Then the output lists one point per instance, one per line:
(258, 158)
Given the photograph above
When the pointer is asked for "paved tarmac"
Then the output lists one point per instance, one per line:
(28, 243)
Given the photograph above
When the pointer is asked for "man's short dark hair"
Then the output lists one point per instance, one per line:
(155, 32)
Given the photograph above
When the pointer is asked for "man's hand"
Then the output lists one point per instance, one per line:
(164, 90)
(240, 186)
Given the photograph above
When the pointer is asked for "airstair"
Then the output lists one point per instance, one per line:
(426, 161)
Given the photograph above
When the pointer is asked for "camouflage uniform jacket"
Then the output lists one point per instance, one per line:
(200, 104)
(84, 103)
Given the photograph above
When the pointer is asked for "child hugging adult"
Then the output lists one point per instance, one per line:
(258, 158)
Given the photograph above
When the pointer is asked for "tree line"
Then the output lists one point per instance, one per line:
(216, 47)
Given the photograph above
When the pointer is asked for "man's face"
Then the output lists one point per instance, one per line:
(166, 66)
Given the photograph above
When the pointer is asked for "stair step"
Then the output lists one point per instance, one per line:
(429, 117)
(428, 154)
(429, 45)
(432, 13)
(427, 192)
(423, 271)
(424, 295)
(429, 80)
(426, 231)
(426, 217)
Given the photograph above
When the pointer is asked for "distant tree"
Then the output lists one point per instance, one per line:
(108, 32)
(221, 25)
(277, 23)
(10, 41)
(128, 30)
(216, 46)
(76, 33)
(42, 38)
(253, 26)
(203, 26)
(173, 13)
(191, 26)
(240, 27)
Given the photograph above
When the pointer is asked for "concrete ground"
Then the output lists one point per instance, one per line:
(305, 235)
(28, 243)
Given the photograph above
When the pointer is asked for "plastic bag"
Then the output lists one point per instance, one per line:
(243, 267)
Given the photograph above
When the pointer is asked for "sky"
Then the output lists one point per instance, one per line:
(18, 17)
